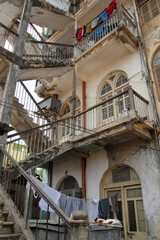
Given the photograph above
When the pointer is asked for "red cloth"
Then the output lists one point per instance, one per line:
(109, 10)
(80, 33)
(112, 5)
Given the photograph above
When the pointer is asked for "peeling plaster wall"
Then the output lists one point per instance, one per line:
(151, 35)
(9, 10)
(144, 162)
(73, 166)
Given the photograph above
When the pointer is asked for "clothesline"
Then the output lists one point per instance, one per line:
(98, 208)
(102, 17)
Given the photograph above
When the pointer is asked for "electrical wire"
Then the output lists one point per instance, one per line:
(91, 131)
(76, 127)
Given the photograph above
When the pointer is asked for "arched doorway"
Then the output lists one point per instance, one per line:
(125, 182)
(70, 187)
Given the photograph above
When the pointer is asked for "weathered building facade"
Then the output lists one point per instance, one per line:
(103, 130)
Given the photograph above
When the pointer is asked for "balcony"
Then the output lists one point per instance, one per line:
(122, 118)
(109, 41)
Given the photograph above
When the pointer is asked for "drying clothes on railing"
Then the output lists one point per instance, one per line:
(102, 17)
(61, 4)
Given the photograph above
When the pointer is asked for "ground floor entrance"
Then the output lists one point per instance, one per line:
(125, 183)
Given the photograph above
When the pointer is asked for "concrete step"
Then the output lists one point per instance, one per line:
(3, 215)
(10, 236)
(1, 205)
(6, 227)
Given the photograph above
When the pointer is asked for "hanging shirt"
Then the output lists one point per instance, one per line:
(94, 23)
(89, 28)
(84, 30)
(53, 194)
(104, 16)
(80, 33)
(93, 212)
(79, 204)
(99, 19)
(103, 208)
(113, 203)
(69, 206)
(62, 202)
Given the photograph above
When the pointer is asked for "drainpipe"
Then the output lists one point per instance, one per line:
(74, 81)
(8, 96)
(83, 160)
(83, 163)
(84, 103)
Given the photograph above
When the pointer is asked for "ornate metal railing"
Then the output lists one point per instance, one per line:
(46, 51)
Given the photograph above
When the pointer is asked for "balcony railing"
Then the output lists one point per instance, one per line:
(119, 108)
(107, 27)
(37, 52)
(111, 110)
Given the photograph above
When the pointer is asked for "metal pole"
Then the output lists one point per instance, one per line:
(74, 81)
(8, 96)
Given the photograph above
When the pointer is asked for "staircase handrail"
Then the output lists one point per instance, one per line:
(39, 127)
(48, 200)
(50, 43)
(8, 29)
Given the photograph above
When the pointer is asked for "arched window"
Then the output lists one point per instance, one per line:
(121, 80)
(70, 187)
(156, 69)
(78, 103)
(106, 88)
(114, 107)
(123, 184)
(66, 110)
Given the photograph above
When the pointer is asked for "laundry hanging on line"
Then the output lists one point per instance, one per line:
(102, 17)
(69, 204)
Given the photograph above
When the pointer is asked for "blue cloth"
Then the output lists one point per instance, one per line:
(104, 16)
(100, 30)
